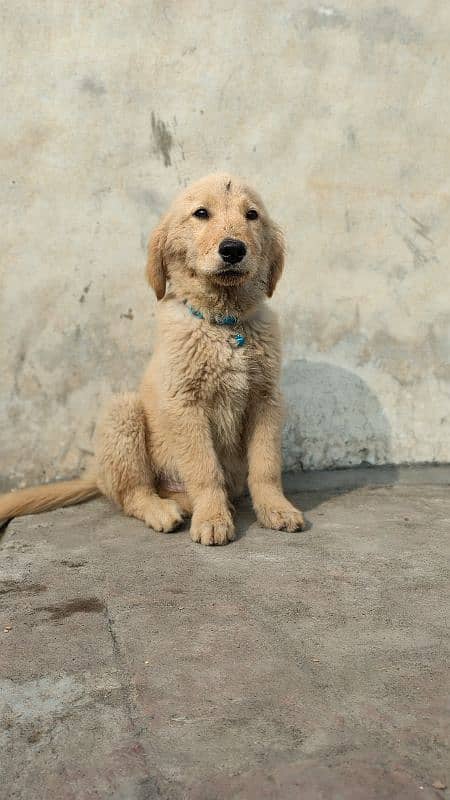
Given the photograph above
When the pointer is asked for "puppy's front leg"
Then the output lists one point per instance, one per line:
(272, 508)
(203, 476)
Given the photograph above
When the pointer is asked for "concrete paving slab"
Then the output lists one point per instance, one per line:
(311, 665)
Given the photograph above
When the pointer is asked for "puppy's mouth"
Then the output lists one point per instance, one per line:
(229, 276)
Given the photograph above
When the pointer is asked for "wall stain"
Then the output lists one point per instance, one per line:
(416, 236)
(163, 139)
(148, 198)
(85, 291)
(25, 146)
(383, 25)
(349, 221)
(324, 332)
(88, 354)
(350, 135)
(93, 87)
(129, 315)
(325, 17)
(410, 361)
(388, 24)
(422, 229)
(419, 256)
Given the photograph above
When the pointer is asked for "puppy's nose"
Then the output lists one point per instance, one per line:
(232, 250)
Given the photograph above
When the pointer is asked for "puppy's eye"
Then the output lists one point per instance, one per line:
(201, 213)
(251, 214)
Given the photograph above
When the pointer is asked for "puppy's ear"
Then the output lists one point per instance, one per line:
(156, 260)
(276, 258)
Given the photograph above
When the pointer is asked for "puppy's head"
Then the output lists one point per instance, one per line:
(216, 237)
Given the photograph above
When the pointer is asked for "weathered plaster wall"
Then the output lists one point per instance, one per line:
(339, 113)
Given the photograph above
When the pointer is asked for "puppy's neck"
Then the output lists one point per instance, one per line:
(238, 301)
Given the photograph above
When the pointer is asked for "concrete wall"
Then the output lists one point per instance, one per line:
(337, 112)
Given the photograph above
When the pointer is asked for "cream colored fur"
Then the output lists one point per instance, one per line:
(207, 417)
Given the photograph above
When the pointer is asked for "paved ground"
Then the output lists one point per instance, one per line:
(137, 665)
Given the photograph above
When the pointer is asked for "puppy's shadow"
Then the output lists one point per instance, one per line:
(335, 431)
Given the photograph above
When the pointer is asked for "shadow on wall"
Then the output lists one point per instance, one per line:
(333, 419)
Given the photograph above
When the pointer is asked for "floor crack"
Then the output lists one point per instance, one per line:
(137, 726)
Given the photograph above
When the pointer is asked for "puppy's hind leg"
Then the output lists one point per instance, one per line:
(124, 467)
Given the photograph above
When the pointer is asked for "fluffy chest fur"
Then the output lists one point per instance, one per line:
(199, 364)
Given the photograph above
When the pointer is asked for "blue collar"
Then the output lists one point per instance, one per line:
(219, 319)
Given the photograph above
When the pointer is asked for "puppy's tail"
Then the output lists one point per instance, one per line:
(47, 497)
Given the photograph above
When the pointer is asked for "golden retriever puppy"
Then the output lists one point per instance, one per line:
(207, 417)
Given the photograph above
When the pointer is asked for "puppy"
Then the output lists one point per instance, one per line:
(208, 416)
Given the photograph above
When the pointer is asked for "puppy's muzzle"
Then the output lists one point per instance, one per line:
(232, 251)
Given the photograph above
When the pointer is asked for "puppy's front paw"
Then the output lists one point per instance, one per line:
(212, 528)
(280, 516)
(162, 515)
